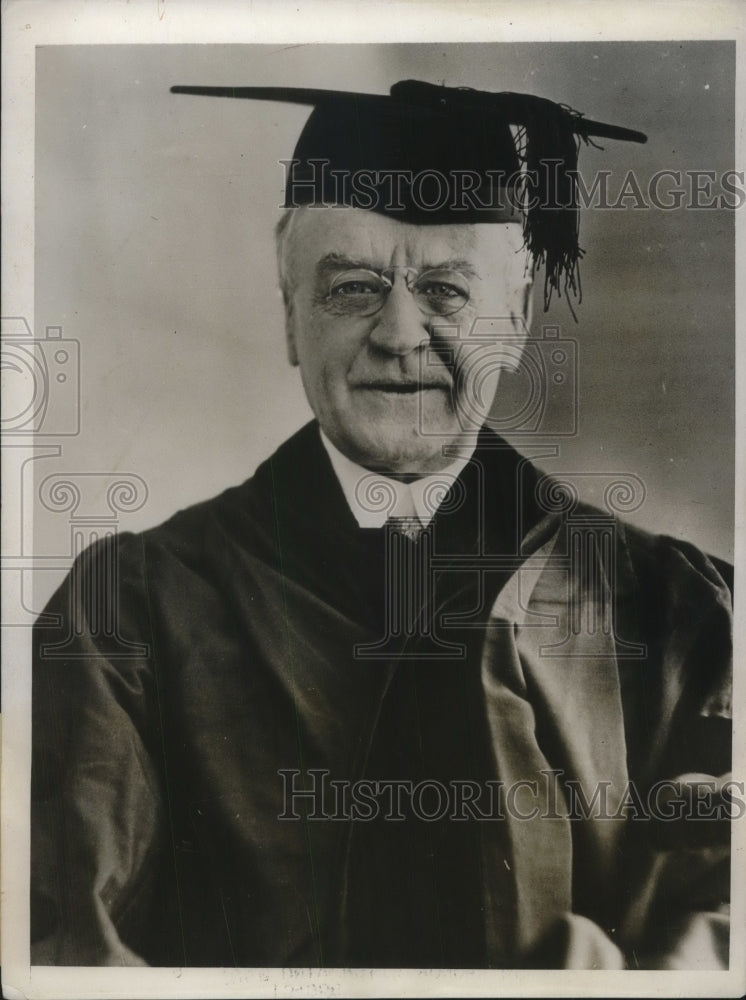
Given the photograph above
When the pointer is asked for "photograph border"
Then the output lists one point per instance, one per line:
(31, 23)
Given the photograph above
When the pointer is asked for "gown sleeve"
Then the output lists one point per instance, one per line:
(650, 877)
(97, 819)
(677, 870)
(678, 915)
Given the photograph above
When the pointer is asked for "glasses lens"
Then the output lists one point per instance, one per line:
(357, 292)
(441, 292)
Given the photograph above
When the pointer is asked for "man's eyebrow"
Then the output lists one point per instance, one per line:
(456, 264)
(334, 261)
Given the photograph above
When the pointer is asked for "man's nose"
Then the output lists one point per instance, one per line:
(399, 327)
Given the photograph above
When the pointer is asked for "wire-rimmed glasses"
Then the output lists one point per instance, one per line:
(437, 291)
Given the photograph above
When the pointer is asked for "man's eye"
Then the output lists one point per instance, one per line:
(346, 288)
(441, 290)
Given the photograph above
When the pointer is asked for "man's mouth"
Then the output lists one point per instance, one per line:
(402, 388)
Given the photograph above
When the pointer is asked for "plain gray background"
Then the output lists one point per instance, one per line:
(154, 249)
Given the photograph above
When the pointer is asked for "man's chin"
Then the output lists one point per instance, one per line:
(389, 451)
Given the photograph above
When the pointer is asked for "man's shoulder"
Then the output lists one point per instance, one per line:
(243, 516)
(677, 601)
(657, 561)
(241, 505)
(660, 560)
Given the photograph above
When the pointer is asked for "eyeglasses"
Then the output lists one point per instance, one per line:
(360, 292)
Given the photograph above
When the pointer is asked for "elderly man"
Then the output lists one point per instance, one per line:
(394, 701)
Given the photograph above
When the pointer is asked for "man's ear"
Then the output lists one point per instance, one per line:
(520, 320)
(528, 304)
(290, 343)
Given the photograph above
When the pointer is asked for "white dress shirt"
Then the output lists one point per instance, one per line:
(373, 498)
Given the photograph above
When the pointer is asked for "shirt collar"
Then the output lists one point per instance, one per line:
(373, 497)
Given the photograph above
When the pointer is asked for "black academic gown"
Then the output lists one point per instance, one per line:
(205, 672)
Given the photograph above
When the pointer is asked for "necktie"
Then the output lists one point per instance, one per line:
(409, 526)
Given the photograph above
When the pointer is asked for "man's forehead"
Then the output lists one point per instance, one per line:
(369, 236)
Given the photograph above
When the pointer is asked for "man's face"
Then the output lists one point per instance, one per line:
(391, 389)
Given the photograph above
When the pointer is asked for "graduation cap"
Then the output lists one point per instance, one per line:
(432, 154)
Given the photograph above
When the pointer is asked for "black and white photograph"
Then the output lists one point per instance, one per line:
(370, 439)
